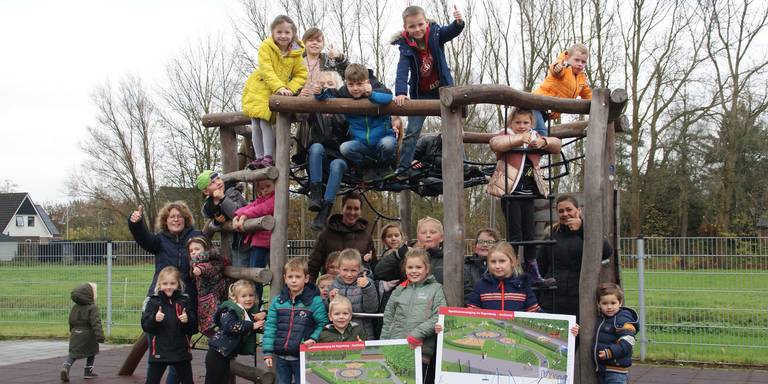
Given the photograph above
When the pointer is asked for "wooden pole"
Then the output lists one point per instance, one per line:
(360, 106)
(279, 242)
(134, 356)
(228, 164)
(404, 202)
(610, 272)
(453, 204)
(594, 229)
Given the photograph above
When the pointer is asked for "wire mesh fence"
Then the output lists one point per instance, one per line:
(706, 299)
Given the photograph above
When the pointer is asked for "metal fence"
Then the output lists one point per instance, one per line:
(703, 299)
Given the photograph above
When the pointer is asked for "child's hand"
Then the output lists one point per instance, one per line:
(414, 342)
(601, 355)
(438, 328)
(368, 256)
(218, 193)
(332, 53)
(575, 330)
(197, 271)
(538, 143)
(259, 316)
(367, 89)
(258, 324)
(309, 342)
(417, 164)
(136, 215)
(333, 293)
(456, 13)
(159, 316)
(220, 218)
(183, 317)
(307, 91)
(284, 92)
(362, 282)
(400, 100)
(268, 361)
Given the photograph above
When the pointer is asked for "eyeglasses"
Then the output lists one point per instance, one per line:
(486, 243)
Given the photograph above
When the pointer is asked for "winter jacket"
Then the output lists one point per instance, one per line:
(368, 130)
(235, 334)
(275, 71)
(438, 36)
(328, 129)
(85, 332)
(615, 336)
(511, 294)
(169, 250)
(232, 201)
(389, 266)
(364, 300)
(412, 312)
(353, 332)
(565, 267)
(474, 269)
(292, 321)
(508, 165)
(564, 84)
(262, 206)
(211, 287)
(169, 339)
(337, 236)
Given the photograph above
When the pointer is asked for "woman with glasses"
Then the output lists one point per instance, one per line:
(474, 264)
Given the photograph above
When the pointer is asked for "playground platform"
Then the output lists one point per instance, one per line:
(32, 361)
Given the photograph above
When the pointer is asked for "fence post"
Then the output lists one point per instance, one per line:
(109, 288)
(641, 293)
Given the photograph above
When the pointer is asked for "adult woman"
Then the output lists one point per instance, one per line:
(565, 263)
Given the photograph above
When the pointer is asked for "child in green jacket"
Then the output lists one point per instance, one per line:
(85, 332)
(341, 329)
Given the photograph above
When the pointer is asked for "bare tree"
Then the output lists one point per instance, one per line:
(8, 186)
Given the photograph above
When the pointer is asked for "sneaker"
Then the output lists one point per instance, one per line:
(64, 374)
(88, 373)
(255, 163)
(267, 161)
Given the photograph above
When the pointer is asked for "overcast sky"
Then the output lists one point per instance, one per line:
(53, 55)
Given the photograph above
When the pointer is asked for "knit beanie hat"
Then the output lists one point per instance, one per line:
(205, 178)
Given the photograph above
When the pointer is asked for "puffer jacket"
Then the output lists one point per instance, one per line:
(508, 165)
(292, 321)
(232, 201)
(364, 300)
(353, 332)
(474, 269)
(85, 332)
(337, 236)
(409, 62)
(169, 339)
(262, 206)
(412, 312)
(564, 84)
(211, 287)
(275, 71)
(511, 294)
(235, 333)
(616, 337)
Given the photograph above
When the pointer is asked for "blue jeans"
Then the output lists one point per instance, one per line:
(239, 258)
(541, 125)
(337, 169)
(287, 370)
(358, 153)
(613, 378)
(259, 259)
(412, 133)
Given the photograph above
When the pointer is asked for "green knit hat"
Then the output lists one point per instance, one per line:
(205, 178)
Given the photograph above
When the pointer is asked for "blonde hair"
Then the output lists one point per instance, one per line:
(170, 270)
(429, 219)
(238, 286)
(334, 75)
(416, 253)
(390, 226)
(337, 301)
(578, 47)
(505, 249)
(324, 277)
(356, 72)
(161, 223)
(94, 286)
(350, 254)
(413, 10)
(296, 264)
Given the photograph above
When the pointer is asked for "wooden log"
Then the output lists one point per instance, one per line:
(228, 164)
(253, 374)
(263, 223)
(251, 176)
(259, 275)
(561, 131)
(225, 119)
(453, 204)
(618, 104)
(404, 208)
(621, 124)
(501, 94)
(594, 227)
(279, 242)
(293, 104)
(134, 356)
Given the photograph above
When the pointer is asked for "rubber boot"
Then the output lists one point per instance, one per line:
(532, 268)
(88, 373)
(319, 222)
(315, 197)
(64, 373)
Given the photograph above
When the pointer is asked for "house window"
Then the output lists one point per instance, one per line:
(19, 221)
(30, 221)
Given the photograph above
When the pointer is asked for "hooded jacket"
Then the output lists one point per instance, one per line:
(211, 288)
(275, 71)
(262, 206)
(513, 293)
(235, 333)
(169, 339)
(564, 84)
(337, 236)
(509, 165)
(408, 62)
(616, 337)
(412, 312)
(290, 322)
(85, 332)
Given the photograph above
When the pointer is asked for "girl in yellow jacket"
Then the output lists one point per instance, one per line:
(566, 79)
(281, 71)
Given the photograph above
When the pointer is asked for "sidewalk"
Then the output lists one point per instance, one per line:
(32, 361)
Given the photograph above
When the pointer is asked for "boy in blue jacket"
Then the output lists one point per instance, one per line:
(615, 335)
(423, 56)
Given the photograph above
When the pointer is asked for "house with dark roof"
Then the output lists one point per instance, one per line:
(22, 220)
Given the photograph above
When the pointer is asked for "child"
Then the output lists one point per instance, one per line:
(297, 315)
(356, 286)
(504, 278)
(341, 328)
(236, 334)
(412, 309)
(331, 266)
(207, 270)
(324, 283)
(281, 71)
(565, 79)
(316, 61)
(395, 241)
(518, 173)
(373, 140)
(85, 332)
(259, 241)
(222, 200)
(169, 322)
(423, 56)
(615, 335)
(392, 237)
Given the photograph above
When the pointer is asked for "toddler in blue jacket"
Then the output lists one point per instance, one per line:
(615, 335)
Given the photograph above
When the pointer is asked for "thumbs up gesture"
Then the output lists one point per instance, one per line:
(456, 13)
(159, 316)
(137, 214)
(183, 317)
(332, 53)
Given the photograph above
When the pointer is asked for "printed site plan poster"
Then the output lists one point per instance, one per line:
(380, 361)
(499, 347)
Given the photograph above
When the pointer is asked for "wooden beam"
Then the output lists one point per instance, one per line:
(404, 208)
(594, 227)
(134, 356)
(250, 176)
(503, 95)
(453, 204)
(259, 275)
(256, 375)
(294, 104)
(263, 223)
(228, 164)
(618, 104)
(279, 243)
